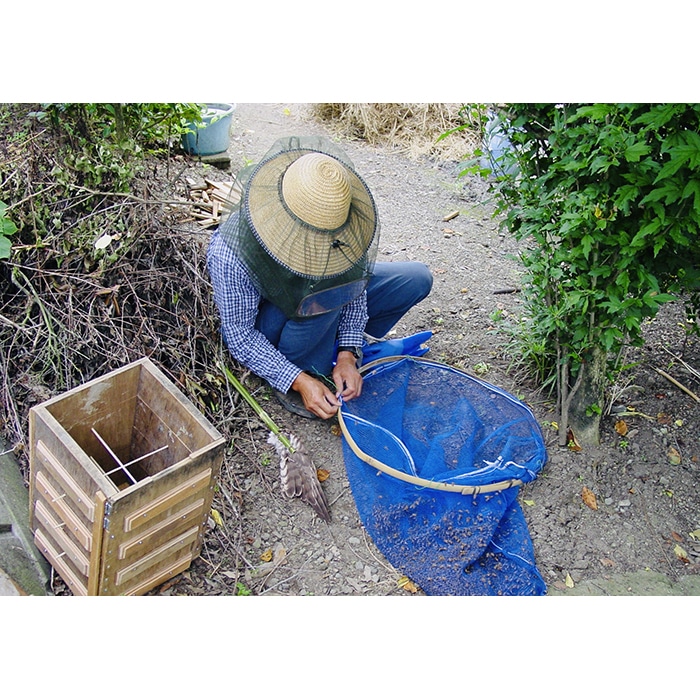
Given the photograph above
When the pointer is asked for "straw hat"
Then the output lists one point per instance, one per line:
(312, 213)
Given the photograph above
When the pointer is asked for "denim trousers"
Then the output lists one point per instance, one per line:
(393, 289)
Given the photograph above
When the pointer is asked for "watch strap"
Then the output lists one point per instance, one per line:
(354, 349)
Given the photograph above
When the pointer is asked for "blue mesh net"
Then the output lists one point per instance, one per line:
(435, 458)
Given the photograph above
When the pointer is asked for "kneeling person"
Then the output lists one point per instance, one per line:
(295, 278)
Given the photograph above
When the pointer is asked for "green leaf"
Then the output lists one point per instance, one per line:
(625, 195)
(601, 164)
(658, 116)
(634, 153)
(680, 155)
(5, 248)
(595, 112)
(649, 229)
(7, 227)
(587, 243)
(669, 191)
(623, 280)
(692, 188)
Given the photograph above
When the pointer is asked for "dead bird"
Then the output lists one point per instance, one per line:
(298, 475)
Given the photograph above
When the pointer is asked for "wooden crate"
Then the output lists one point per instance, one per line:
(123, 470)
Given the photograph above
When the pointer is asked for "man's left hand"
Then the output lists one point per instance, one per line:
(347, 379)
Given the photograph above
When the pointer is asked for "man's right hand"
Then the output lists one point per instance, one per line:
(317, 397)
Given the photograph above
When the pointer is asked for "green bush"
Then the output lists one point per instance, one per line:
(70, 157)
(106, 140)
(607, 197)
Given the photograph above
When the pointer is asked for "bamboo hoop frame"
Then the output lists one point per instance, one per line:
(416, 480)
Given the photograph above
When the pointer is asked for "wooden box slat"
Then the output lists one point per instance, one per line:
(62, 510)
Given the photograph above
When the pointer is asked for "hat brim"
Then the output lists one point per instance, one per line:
(296, 245)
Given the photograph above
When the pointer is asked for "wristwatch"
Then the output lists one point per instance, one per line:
(354, 349)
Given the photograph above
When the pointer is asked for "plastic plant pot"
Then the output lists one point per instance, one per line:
(213, 134)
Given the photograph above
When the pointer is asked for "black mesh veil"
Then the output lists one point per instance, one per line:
(303, 270)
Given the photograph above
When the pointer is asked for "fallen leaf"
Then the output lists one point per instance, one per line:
(589, 498)
(621, 427)
(408, 585)
(681, 554)
(607, 562)
(663, 418)
(280, 553)
(271, 560)
(103, 241)
(528, 503)
(217, 517)
(674, 456)
(676, 536)
(571, 441)
(322, 474)
(335, 430)
(569, 581)
(694, 535)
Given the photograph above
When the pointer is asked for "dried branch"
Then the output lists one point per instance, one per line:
(677, 383)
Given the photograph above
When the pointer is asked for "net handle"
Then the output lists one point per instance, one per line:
(416, 480)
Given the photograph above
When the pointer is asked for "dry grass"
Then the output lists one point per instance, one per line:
(412, 129)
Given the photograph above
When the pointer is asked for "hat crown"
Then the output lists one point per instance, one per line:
(316, 188)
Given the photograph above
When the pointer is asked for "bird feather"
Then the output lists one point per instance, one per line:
(298, 475)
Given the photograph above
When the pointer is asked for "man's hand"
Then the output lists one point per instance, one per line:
(317, 397)
(346, 377)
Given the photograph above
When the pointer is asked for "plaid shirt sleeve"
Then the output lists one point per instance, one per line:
(353, 319)
(237, 300)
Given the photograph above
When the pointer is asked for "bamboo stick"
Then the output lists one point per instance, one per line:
(677, 383)
(262, 414)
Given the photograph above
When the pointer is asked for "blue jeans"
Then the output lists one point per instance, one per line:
(393, 289)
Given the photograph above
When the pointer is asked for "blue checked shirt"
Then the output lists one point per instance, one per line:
(237, 300)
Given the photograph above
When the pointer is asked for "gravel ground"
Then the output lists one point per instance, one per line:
(647, 506)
